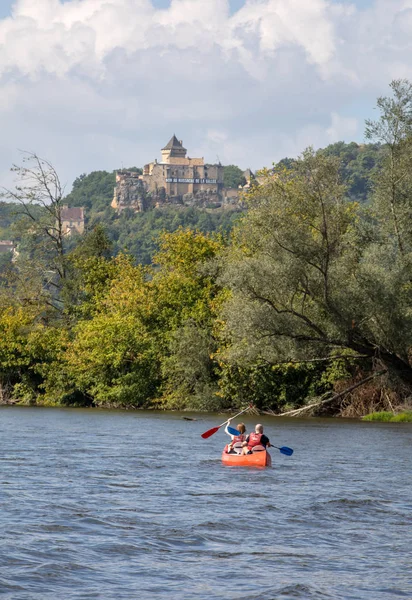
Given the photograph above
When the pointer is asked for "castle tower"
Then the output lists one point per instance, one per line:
(173, 149)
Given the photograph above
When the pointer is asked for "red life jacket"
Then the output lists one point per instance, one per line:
(239, 438)
(254, 440)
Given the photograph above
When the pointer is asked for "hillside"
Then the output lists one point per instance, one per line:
(137, 232)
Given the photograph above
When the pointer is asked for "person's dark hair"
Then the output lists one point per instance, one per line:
(241, 428)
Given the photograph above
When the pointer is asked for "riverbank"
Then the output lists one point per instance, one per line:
(388, 417)
(381, 416)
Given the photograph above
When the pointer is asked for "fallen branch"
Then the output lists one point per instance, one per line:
(297, 411)
(315, 360)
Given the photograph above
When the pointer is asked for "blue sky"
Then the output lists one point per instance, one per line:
(97, 84)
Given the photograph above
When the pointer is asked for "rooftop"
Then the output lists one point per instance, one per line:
(6, 246)
(74, 213)
(174, 143)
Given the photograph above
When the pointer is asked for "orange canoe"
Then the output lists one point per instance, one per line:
(257, 459)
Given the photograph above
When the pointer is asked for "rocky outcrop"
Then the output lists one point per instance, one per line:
(129, 192)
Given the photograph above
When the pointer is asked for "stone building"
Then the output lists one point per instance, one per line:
(176, 179)
(72, 219)
(180, 175)
(7, 246)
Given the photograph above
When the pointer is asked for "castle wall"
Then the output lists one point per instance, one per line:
(180, 179)
(177, 178)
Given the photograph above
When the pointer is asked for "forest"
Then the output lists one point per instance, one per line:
(299, 304)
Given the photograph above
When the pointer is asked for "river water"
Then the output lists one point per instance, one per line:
(136, 505)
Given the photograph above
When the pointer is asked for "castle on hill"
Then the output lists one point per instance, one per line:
(176, 179)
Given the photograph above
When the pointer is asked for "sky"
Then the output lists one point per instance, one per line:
(104, 84)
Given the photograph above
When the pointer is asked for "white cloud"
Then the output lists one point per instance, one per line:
(96, 83)
(342, 128)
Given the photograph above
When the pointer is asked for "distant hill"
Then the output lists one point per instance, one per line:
(358, 164)
(137, 232)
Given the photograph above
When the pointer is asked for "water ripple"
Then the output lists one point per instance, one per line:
(85, 513)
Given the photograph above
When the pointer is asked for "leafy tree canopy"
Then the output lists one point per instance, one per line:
(233, 176)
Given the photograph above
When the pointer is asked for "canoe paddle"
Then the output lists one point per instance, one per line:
(231, 430)
(284, 450)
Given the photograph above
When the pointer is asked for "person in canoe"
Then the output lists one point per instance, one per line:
(256, 438)
(241, 438)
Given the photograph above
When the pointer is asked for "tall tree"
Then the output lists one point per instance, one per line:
(306, 278)
(393, 184)
(39, 194)
(233, 176)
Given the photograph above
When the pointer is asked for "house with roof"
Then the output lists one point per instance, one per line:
(7, 246)
(72, 219)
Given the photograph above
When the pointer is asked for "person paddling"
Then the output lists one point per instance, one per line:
(256, 438)
(236, 438)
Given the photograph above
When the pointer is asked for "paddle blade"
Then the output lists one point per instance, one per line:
(286, 450)
(210, 432)
(233, 431)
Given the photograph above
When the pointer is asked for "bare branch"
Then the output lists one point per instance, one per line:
(298, 411)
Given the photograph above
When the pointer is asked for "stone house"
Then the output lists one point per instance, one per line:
(7, 246)
(72, 219)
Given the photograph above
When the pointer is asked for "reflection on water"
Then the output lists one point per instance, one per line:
(100, 504)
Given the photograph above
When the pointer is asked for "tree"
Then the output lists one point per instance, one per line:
(90, 273)
(189, 370)
(39, 194)
(112, 358)
(393, 184)
(233, 176)
(29, 352)
(186, 298)
(307, 279)
(357, 166)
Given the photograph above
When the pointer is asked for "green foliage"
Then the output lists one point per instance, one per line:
(388, 417)
(274, 387)
(93, 191)
(188, 370)
(233, 177)
(307, 275)
(314, 284)
(392, 206)
(138, 233)
(338, 368)
(358, 166)
(91, 272)
(29, 352)
(6, 263)
(7, 218)
(112, 360)
(182, 289)
(132, 339)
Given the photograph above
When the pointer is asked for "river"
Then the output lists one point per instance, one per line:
(136, 505)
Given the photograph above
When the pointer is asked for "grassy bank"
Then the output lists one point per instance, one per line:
(403, 417)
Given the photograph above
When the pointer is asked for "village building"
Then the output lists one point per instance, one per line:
(6, 246)
(72, 219)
